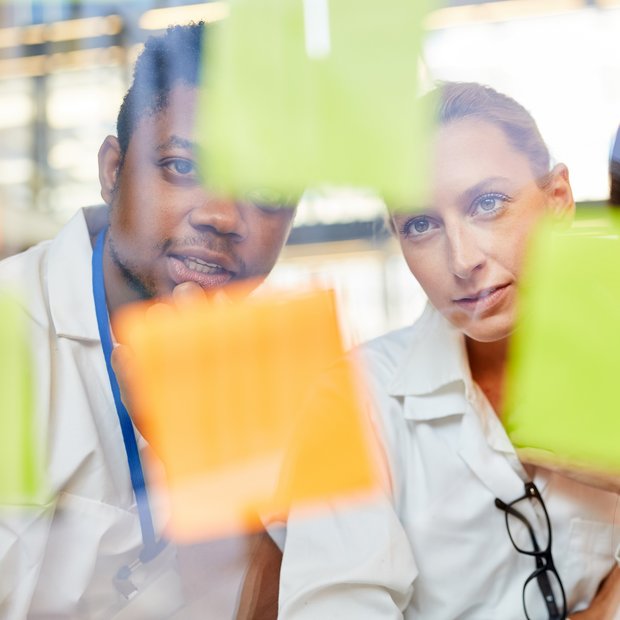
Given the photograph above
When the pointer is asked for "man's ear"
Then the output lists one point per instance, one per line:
(560, 195)
(109, 167)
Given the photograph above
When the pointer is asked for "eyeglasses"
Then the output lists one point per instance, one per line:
(523, 535)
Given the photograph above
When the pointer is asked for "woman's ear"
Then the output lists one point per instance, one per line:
(560, 195)
(109, 167)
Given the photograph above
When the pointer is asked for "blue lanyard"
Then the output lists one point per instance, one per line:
(152, 547)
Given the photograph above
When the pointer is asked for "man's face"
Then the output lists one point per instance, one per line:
(165, 228)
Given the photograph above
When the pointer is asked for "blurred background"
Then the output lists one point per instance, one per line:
(65, 65)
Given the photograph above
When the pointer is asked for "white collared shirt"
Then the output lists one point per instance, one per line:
(435, 546)
(59, 559)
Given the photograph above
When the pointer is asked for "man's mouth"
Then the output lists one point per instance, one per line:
(201, 266)
(207, 273)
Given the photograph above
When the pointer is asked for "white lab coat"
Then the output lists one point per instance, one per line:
(59, 559)
(434, 546)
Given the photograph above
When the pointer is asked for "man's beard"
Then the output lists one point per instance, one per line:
(144, 287)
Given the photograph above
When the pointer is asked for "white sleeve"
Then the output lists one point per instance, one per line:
(346, 562)
(23, 537)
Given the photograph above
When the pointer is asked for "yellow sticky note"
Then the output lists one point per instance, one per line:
(220, 389)
(20, 455)
(315, 92)
(563, 405)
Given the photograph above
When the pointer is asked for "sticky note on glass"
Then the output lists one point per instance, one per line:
(300, 93)
(220, 390)
(20, 474)
(563, 407)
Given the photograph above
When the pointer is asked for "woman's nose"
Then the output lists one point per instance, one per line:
(465, 253)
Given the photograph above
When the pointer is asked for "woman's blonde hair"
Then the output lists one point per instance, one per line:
(461, 100)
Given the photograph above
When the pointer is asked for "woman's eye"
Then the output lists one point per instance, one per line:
(489, 203)
(417, 226)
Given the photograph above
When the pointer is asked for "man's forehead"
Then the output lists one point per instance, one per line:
(175, 141)
(172, 125)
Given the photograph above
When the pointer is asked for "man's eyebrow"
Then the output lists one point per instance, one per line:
(176, 141)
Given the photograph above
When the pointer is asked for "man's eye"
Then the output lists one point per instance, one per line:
(182, 167)
(270, 201)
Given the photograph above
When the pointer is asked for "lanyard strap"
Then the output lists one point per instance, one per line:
(151, 546)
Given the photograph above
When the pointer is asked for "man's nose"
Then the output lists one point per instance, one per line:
(222, 215)
(465, 253)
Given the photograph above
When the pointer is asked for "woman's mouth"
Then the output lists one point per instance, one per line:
(484, 299)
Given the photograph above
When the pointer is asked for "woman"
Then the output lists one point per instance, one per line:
(461, 531)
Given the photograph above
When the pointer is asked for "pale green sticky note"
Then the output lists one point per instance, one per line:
(300, 93)
(20, 479)
(563, 403)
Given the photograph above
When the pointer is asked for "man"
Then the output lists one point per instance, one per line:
(89, 549)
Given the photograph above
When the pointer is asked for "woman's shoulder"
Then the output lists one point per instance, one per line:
(392, 347)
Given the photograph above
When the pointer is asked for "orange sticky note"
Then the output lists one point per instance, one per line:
(221, 392)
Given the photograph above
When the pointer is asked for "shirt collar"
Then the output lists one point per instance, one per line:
(435, 358)
(69, 277)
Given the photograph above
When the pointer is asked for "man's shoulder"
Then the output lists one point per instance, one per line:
(26, 275)
(17, 271)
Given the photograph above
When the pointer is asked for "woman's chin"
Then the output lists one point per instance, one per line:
(493, 329)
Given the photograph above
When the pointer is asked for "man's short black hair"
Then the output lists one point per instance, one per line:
(165, 61)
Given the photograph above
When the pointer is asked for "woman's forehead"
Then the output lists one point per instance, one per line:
(475, 147)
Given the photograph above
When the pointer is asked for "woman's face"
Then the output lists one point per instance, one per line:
(466, 248)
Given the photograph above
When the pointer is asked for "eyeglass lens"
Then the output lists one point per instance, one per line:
(543, 597)
(528, 526)
(530, 532)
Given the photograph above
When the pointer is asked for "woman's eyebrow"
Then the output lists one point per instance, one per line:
(486, 185)
(176, 141)
(416, 212)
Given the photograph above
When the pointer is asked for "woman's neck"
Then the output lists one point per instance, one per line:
(487, 362)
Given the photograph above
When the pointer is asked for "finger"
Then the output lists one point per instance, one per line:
(188, 293)
(220, 297)
(160, 311)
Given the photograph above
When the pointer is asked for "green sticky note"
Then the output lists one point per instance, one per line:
(300, 93)
(20, 479)
(563, 406)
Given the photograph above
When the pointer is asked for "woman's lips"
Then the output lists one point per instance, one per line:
(485, 299)
(193, 269)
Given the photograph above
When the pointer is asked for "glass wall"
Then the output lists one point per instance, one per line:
(65, 65)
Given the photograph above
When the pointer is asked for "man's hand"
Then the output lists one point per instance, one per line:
(122, 358)
(606, 603)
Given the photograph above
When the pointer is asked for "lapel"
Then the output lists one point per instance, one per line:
(69, 282)
(498, 469)
(435, 381)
